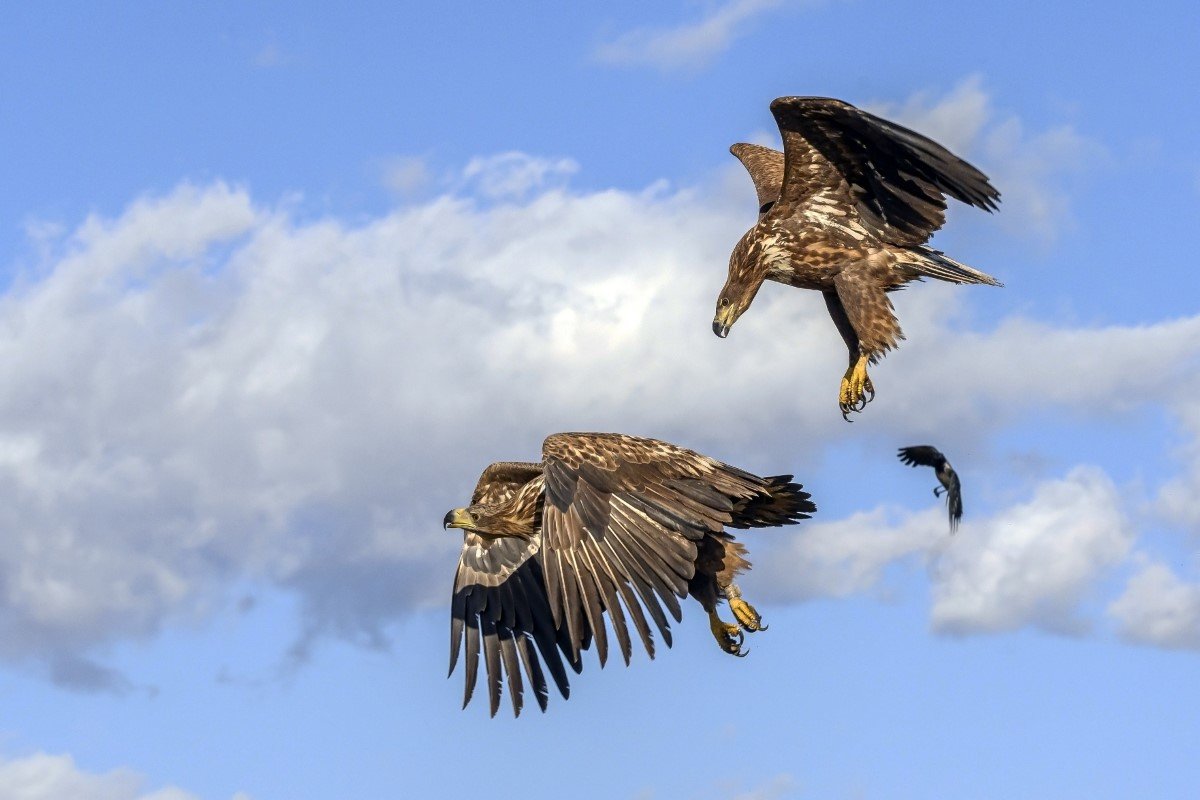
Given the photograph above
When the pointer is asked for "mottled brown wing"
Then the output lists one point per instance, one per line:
(500, 481)
(621, 522)
(500, 610)
(895, 179)
(766, 170)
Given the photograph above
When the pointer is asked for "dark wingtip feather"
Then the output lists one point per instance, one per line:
(782, 502)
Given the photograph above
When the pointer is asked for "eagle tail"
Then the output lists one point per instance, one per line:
(782, 502)
(936, 264)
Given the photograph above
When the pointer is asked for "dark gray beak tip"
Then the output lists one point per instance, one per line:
(720, 330)
(446, 520)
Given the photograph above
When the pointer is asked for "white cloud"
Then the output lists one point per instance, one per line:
(1158, 608)
(205, 390)
(48, 777)
(686, 46)
(1034, 563)
(849, 556)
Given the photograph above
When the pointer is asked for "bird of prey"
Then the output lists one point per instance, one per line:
(604, 524)
(847, 209)
(923, 455)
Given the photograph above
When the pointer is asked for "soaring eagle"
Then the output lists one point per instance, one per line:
(924, 455)
(606, 523)
(847, 209)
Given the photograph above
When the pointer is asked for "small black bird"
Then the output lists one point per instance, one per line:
(924, 455)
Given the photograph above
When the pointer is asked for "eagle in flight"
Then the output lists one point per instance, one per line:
(604, 524)
(847, 209)
(924, 455)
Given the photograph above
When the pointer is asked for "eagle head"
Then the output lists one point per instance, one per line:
(490, 521)
(746, 274)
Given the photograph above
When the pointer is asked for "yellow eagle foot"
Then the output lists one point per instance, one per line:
(729, 637)
(746, 615)
(857, 389)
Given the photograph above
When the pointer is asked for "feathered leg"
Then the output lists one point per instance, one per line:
(861, 291)
(718, 560)
(838, 313)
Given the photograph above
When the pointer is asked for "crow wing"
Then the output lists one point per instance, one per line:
(954, 500)
(922, 455)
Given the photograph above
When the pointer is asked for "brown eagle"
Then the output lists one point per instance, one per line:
(604, 524)
(847, 209)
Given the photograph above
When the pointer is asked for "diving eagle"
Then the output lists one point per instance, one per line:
(605, 523)
(847, 209)
(923, 455)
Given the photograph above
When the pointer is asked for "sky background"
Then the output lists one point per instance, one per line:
(279, 281)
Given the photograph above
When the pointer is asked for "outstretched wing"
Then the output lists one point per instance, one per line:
(500, 609)
(766, 170)
(500, 481)
(840, 159)
(922, 455)
(620, 527)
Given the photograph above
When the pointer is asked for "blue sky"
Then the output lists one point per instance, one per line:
(279, 281)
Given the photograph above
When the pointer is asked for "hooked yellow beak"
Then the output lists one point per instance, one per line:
(458, 518)
(724, 321)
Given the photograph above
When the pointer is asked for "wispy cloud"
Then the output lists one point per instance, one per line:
(514, 175)
(687, 46)
(405, 175)
(271, 55)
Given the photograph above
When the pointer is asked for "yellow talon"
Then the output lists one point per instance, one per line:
(746, 614)
(729, 637)
(856, 385)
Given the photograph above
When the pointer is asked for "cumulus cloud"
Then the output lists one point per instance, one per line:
(1034, 563)
(1159, 608)
(850, 556)
(204, 390)
(686, 46)
(54, 777)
